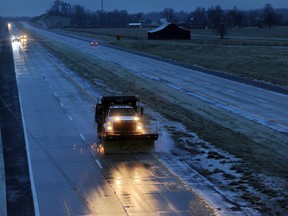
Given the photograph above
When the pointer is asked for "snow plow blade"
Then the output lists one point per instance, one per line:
(129, 143)
(131, 137)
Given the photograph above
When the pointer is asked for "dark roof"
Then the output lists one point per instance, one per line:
(168, 31)
(159, 28)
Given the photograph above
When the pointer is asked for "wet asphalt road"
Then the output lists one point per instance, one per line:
(18, 189)
(70, 175)
(256, 101)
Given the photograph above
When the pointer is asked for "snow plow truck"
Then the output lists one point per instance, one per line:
(120, 127)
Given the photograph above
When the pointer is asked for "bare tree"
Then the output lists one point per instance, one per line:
(269, 15)
(222, 30)
(65, 9)
(169, 14)
(55, 8)
(138, 17)
(198, 18)
(237, 15)
(216, 17)
(80, 16)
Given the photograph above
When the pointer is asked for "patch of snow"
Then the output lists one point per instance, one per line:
(187, 165)
(219, 104)
(164, 142)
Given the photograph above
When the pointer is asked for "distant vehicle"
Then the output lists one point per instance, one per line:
(94, 43)
(119, 125)
(15, 38)
(9, 26)
(23, 37)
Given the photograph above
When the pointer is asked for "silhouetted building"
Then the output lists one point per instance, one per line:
(169, 31)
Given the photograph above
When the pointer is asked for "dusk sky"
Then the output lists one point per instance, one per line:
(38, 7)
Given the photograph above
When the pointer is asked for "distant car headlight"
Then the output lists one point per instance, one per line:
(94, 43)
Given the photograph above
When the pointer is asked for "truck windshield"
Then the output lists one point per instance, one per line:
(122, 112)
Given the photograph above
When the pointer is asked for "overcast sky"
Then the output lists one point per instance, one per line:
(38, 7)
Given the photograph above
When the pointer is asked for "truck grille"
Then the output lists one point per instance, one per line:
(124, 126)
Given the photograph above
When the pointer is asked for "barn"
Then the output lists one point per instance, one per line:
(169, 31)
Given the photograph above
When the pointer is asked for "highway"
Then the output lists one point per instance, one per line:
(69, 173)
(262, 106)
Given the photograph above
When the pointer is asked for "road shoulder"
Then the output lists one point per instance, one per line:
(3, 207)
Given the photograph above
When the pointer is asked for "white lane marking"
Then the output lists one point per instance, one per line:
(33, 186)
(207, 83)
(62, 104)
(261, 100)
(70, 117)
(231, 90)
(55, 95)
(82, 137)
(3, 206)
(99, 164)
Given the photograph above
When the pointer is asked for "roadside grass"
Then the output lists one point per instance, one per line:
(268, 34)
(179, 108)
(261, 63)
(258, 155)
(243, 180)
(254, 53)
(274, 33)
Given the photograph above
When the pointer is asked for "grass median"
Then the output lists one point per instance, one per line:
(224, 130)
(257, 145)
(254, 53)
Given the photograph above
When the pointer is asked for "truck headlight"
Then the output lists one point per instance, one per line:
(109, 126)
(139, 126)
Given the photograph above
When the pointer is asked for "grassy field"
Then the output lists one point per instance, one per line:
(257, 145)
(255, 53)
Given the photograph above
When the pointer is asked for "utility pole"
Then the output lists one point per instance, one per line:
(102, 9)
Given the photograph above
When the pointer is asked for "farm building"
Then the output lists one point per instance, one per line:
(135, 25)
(169, 31)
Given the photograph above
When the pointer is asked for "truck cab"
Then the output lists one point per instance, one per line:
(122, 120)
(119, 125)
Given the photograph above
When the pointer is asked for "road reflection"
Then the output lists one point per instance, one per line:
(19, 39)
(24, 42)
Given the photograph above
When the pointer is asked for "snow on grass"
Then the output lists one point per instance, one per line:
(213, 174)
(192, 166)
(222, 105)
(218, 177)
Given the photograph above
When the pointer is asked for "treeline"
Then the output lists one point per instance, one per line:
(213, 17)
(81, 17)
